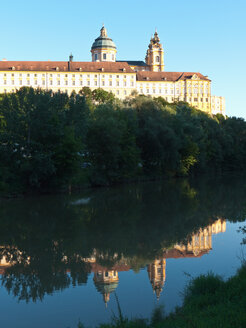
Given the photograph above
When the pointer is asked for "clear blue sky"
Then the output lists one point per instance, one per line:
(199, 36)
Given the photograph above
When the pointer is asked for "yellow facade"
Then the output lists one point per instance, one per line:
(119, 77)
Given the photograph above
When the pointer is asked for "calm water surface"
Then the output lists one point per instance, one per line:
(64, 258)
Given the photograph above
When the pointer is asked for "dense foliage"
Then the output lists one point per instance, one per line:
(51, 140)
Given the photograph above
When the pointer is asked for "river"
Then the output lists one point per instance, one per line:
(70, 258)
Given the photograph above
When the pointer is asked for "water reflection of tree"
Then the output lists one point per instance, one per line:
(47, 238)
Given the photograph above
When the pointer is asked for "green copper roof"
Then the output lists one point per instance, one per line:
(103, 42)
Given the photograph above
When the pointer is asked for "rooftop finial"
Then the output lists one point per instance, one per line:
(71, 57)
(103, 31)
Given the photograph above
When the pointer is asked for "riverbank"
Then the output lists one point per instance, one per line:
(52, 141)
(209, 302)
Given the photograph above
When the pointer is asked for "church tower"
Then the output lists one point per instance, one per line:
(157, 276)
(103, 48)
(155, 55)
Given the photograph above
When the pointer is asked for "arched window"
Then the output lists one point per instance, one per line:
(95, 57)
(104, 56)
(157, 59)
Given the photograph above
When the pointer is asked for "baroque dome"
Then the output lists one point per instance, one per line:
(103, 41)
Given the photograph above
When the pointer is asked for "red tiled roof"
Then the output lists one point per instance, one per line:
(118, 267)
(167, 76)
(176, 254)
(59, 66)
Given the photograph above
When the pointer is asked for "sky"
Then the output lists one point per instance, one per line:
(197, 36)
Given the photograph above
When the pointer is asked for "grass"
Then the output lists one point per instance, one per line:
(209, 302)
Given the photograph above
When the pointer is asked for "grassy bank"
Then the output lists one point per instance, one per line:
(209, 301)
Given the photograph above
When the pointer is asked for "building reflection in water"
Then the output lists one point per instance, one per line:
(106, 279)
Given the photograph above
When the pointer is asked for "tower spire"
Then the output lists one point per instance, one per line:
(155, 54)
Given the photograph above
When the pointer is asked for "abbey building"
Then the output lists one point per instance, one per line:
(121, 77)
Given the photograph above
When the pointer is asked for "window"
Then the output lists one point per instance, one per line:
(132, 84)
(65, 75)
(201, 99)
(20, 82)
(104, 56)
(58, 82)
(95, 76)
(124, 76)
(50, 75)
(103, 83)
(12, 74)
(51, 82)
(73, 82)
(124, 84)
(81, 83)
(13, 82)
(117, 92)
(195, 99)
(117, 83)
(159, 90)
(28, 75)
(66, 83)
(35, 75)
(43, 82)
(20, 74)
(117, 76)
(110, 83)
(206, 99)
(157, 59)
(28, 82)
(110, 76)
(73, 75)
(95, 56)
(112, 57)
(147, 90)
(88, 83)
(35, 82)
(95, 82)
(124, 92)
(153, 90)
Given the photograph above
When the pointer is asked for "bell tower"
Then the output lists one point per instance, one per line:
(155, 55)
